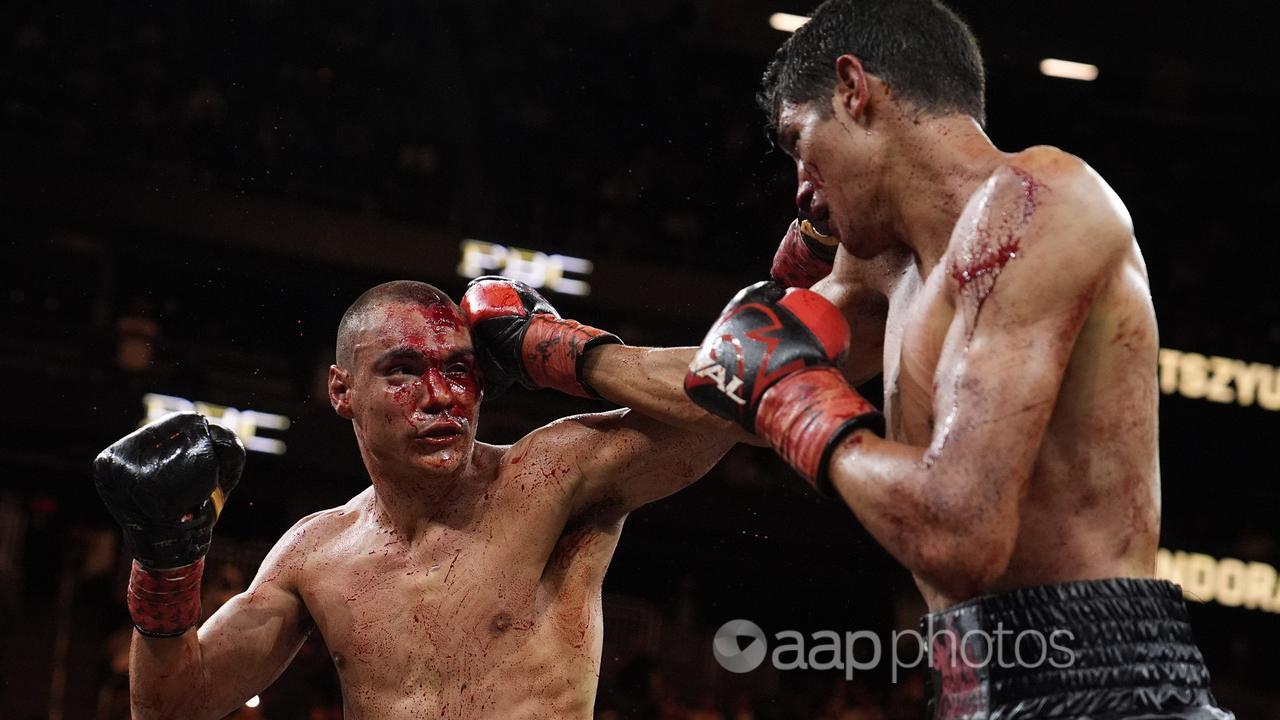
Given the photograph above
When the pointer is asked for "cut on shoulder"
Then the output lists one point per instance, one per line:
(1044, 206)
(1074, 188)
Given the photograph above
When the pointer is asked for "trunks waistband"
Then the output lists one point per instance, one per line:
(1079, 649)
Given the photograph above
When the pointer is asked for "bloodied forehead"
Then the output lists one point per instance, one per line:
(437, 331)
(384, 304)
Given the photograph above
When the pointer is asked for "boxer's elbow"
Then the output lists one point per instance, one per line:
(967, 564)
(954, 525)
(155, 708)
(178, 694)
(968, 549)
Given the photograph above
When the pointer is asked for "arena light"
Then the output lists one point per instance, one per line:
(244, 423)
(786, 22)
(534, 267)
(253, 702)
(1068, 69)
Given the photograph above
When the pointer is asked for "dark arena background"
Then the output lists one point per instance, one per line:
(193, 192)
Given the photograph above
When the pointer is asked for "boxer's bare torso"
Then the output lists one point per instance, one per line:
(490, 610)
(1090, 508)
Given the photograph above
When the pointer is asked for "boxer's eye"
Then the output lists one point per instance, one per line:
(458, 368)
(787, 141)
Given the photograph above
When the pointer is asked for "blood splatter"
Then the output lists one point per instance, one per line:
(994, 244)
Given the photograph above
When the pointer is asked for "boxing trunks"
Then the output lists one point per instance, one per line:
(1118, 649)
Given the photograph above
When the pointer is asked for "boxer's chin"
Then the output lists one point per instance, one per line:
(445, 460)
(858, 249)
(863, 248)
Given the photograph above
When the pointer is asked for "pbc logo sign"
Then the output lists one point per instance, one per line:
(536, 269)
(244, 423)
(715, 373)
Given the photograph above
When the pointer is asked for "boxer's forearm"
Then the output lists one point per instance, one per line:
(651, 381)
(925, 510)
(166, 677)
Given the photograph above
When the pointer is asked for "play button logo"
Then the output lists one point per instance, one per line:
(739, 646)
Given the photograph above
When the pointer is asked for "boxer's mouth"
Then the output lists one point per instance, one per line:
(819, 230)
(439, 433)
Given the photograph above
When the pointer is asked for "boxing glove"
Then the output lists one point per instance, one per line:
(165, 484)
(520, 337)
(770, 363)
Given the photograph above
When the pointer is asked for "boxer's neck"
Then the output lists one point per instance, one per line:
(939, 164)
(411, 503)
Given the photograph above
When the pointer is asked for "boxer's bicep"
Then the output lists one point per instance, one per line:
(1013, 336)
(990, 415)
(1015, 340)
(627, 459)
(249, 642)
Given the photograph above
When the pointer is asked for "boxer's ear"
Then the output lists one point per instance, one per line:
(851, 91)
(340, 391)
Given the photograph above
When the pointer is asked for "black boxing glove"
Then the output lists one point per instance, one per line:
(166, 483)
(521, 338)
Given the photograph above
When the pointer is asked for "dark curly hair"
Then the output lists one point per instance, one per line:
(919, 48)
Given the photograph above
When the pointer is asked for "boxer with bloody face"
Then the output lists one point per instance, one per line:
(421, 382)
(465, 582)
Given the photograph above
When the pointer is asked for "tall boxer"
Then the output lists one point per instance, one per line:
(465, 582)
(1017, 473)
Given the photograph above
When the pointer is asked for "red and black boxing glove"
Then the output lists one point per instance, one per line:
(521, 338)
(804, 256)
(770, 364)
(166, 483)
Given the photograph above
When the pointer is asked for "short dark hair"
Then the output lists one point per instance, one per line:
(403, 291)
(919, 48)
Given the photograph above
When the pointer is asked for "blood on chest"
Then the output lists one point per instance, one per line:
(439, 614)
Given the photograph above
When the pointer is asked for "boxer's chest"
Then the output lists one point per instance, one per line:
(394, 614)
(916, 355)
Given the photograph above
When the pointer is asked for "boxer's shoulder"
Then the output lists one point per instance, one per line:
(1061, 187)
(1043, 204)
(317, 531)
(560, 436)
(311, 539)
(551, 452)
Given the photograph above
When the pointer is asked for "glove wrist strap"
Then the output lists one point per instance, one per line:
(802, 259)
(552, 352)
(165, 602)
(805, 416)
